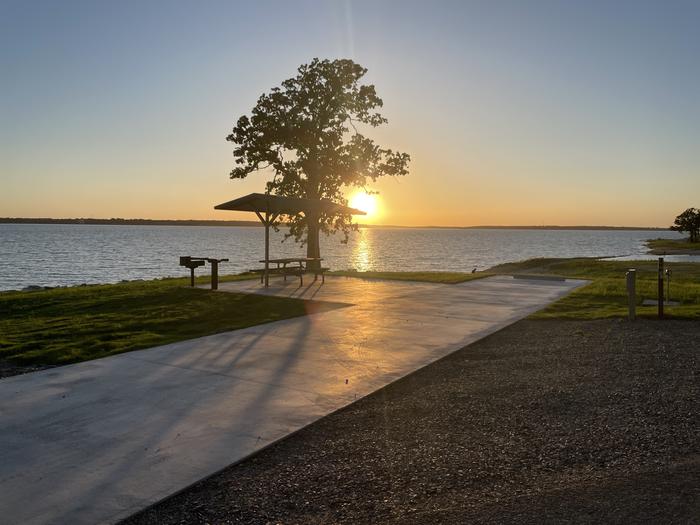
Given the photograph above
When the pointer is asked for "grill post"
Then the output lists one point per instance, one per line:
(191, 263)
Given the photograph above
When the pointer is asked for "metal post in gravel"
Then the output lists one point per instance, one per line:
(660, 281)
(632, 293)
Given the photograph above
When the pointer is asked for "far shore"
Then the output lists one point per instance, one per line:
(673, 247)
(208, 222)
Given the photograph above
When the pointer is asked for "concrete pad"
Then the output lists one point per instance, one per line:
(97, 441)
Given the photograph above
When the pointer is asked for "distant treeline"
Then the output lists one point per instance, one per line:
(129, 222)
(194, 222)
(552, 227)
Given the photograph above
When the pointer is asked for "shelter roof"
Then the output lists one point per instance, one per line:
(279, 204)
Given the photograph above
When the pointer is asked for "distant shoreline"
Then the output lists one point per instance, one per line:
(673, 247)
(128, 222)
(204, 222)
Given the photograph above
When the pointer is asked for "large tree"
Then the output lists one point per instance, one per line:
(307, 132)
(688, 221)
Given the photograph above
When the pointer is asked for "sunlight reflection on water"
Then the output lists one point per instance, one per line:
(361, 252)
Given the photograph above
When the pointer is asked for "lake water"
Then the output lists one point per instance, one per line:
(57, 254)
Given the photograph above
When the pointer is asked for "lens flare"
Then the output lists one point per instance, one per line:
(366, 203)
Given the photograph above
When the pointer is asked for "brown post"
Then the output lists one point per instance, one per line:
(661, 288)
(192, 276)
(214, 274)
(631, 293)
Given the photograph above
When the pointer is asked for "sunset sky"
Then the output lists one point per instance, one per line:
(513, 112)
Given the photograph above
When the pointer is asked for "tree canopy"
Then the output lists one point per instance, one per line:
(688, 221)
(307, 132)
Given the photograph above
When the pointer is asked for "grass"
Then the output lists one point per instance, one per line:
(426, 277)
(68, 325)
(673, 246)
(606, 296)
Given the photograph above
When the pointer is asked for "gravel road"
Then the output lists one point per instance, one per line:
(544, 421)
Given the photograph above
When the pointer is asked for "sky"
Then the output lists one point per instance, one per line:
(514, 113)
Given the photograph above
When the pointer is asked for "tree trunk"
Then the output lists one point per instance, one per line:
(313, 249)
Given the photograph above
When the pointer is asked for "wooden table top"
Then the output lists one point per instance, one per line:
(293, 259)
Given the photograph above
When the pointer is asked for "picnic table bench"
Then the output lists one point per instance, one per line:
(298, 270)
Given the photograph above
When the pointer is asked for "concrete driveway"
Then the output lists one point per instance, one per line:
(98, 441)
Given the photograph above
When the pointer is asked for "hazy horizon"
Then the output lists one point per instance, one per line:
(552, 113)
(255, 222)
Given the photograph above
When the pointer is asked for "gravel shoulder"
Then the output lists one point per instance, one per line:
(546, 420)
(8, 369)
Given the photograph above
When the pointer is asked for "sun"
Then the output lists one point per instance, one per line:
(366, 203)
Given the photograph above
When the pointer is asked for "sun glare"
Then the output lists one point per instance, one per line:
(366, 203)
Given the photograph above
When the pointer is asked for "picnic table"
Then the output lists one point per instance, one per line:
(299, 266)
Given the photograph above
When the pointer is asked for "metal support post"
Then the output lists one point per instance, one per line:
(661, 288)
(214, 274)
(632, 293)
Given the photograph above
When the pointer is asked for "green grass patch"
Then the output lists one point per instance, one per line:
(426, 277)
(673, 247)
(606, 295)
(68, 325)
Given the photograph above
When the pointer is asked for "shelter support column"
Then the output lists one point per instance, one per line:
(268, 219)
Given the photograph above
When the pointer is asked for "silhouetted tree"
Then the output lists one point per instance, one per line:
(307, 132)
(688, 221)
